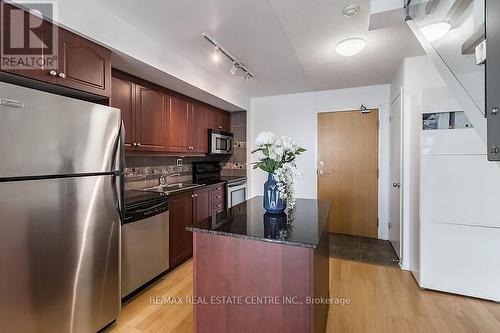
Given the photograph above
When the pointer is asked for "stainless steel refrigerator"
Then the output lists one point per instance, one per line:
(60, 212)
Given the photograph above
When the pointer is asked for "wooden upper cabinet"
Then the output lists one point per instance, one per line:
(41, 45)
(223, 121)
(151, 111)
(83, 65)
(123, 98)
(79, 63)
(218, 120)
(178, 135)
(198, 128)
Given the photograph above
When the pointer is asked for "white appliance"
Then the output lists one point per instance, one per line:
(236, 191)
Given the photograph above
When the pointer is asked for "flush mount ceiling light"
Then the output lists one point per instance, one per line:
(433, 32)
(237, 66)
(350, 46)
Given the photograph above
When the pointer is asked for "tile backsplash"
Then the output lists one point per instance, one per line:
(145, 171)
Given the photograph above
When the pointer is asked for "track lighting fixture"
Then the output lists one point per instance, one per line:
(237, 69)
(216, 55)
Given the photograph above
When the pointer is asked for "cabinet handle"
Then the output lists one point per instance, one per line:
(220, 127)
(134, 144)
(219, 197)
(62, 75)
(53, 73)
(219, 206)
(218, 188)
(138, 144)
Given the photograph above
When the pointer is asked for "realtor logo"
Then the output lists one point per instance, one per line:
(28, 38)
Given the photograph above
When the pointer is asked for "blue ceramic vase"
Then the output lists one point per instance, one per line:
(272, 202)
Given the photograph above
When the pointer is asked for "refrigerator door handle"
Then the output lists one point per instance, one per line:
(118, 193)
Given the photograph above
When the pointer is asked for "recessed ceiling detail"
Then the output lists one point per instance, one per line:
(289, 45)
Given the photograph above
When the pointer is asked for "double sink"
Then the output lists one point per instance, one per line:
(173, 188)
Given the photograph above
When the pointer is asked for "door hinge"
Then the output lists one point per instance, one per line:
(378, 124)
(378, 222)
(378, 173)
(390, 225)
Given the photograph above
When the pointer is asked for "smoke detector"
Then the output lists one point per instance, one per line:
(351, 10)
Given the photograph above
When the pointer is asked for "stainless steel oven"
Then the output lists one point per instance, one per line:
(236, 192)
(221, 143)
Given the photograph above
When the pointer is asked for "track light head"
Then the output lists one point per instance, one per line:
(234, 69)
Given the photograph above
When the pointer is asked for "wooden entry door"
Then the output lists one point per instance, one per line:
(348, 170)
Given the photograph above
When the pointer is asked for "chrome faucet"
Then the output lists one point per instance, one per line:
(164, 177)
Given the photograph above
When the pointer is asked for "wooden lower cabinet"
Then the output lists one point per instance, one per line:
(181, 216)
(185, 209)
(202, 206)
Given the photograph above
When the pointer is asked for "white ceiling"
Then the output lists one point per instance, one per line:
(288, 44)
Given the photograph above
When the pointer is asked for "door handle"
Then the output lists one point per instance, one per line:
(398, 185)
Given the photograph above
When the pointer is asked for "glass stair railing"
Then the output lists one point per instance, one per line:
(456, 31)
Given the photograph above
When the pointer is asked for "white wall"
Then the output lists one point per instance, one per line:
(295, 115)
(415, 74)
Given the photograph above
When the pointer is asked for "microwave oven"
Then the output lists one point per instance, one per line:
(220, 143)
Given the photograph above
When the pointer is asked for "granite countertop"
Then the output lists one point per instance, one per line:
(249, 220)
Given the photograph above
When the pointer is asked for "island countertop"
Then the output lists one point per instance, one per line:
(249, 220)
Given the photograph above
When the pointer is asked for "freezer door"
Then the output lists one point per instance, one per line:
(59, 254)
(47, 134)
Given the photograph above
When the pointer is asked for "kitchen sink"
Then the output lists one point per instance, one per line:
(172, 188)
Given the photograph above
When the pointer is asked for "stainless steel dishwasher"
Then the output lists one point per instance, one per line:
(145, 242)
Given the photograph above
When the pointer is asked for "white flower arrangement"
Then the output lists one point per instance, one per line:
(277, 155)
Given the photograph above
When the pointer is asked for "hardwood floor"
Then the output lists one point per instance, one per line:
(382, 299)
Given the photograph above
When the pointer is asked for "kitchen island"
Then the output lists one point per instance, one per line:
(257, 272)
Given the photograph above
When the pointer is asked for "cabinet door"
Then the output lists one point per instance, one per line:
(198, 128)
(202, 204)
(150, 116)
(123, 98)
(83, 65)
(181, 216)
(40, 46)
(223, 121)
(211, 118)
(178, 125)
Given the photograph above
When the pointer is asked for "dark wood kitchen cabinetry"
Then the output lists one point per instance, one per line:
(187, 126)
(144, 113)
(151, 117)
(83, 65)
(199, 128)
(123, 98)
(77, 63)
(186, 208)
(162, 121)
(218, 119)
(181, 216)
(178, 136)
